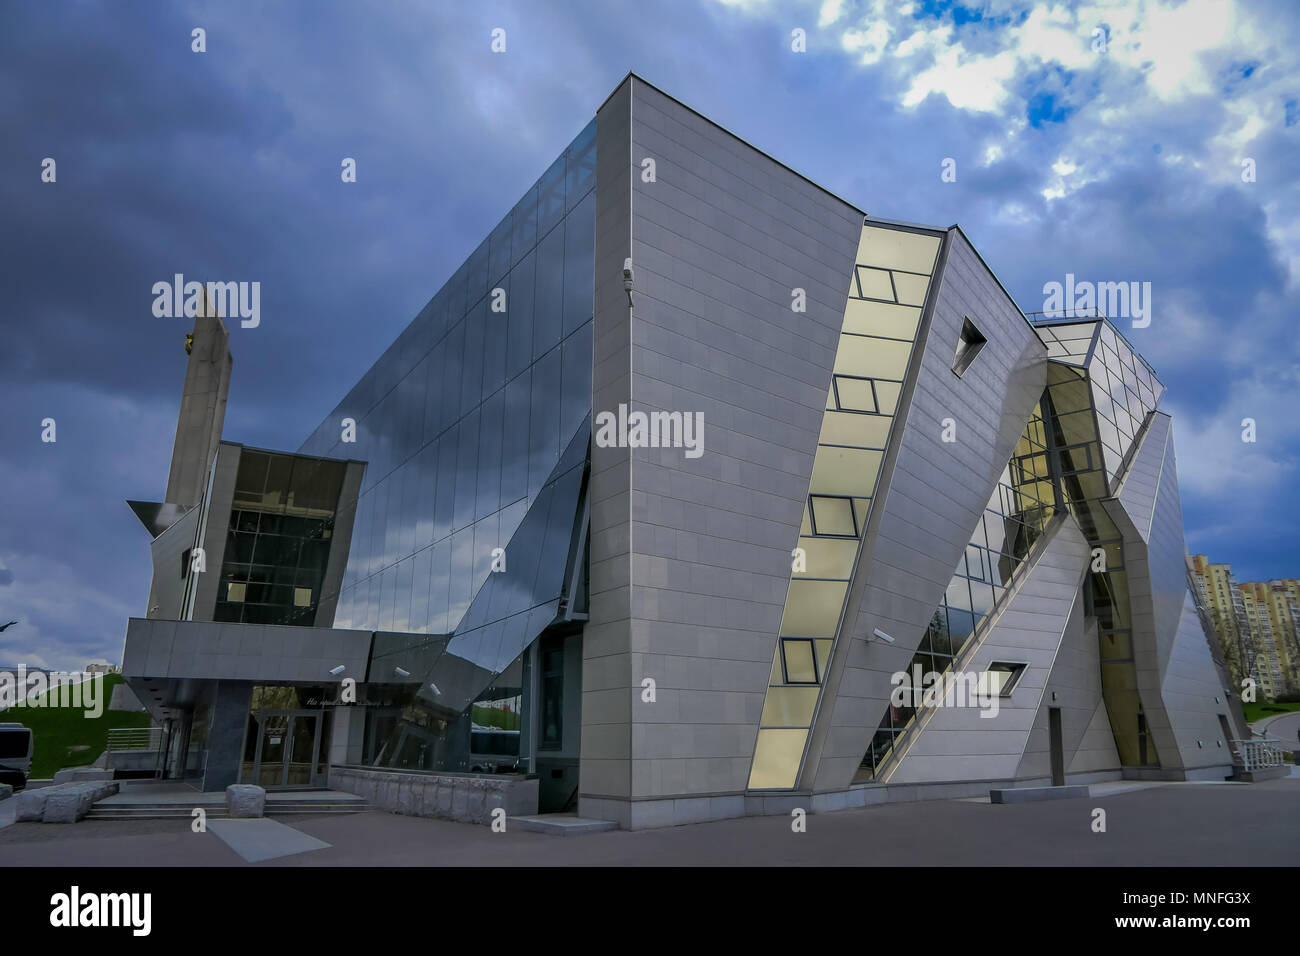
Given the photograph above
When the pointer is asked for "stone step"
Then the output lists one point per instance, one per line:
(145, 813)
(213, 813)
(1034, 794)
(561, 824)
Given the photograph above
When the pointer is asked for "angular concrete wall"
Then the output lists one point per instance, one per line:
(605, 772)
(203, 409)
(1074, 685)
(1181, 689)
(960, 743)
(720, 240)
(931, 497)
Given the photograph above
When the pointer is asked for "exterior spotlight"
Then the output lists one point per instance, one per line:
(435, 688)
(882, 636)
(401, 672)
(336, 671)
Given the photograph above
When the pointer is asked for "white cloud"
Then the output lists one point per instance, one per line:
(969, 83)
(831, 11)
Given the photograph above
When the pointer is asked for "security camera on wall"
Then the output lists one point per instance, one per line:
(881, 635)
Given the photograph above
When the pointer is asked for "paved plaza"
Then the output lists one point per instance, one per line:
(1180, 824)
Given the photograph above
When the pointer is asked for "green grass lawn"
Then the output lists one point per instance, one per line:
(1261, 709)
(495, 717)
(65, 737)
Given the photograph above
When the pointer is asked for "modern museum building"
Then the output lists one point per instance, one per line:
(696, 492)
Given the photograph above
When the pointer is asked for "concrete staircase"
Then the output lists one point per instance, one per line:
(125, 806)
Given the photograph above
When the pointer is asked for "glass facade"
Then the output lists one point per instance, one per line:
(474, 427)
(278, 541)
(1018, 512)
(1081, 462)
(1066, 458)
(462, 420)
(1124, 392)
(886, 292)
(1124, 387)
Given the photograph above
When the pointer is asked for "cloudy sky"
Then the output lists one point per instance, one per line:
(1115, 164)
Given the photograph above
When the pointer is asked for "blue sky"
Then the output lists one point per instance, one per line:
(1115, 165)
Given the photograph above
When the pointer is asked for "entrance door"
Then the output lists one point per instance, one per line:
(288, 748)
(1058, 756)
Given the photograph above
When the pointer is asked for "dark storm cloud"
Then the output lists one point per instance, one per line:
(225, 166)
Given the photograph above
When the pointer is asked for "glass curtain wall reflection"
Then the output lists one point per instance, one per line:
(474, 429)
(1018, 512)
(1081, 459)
(463, 419)
(406, 729)
(278, 541)
(1124, 391)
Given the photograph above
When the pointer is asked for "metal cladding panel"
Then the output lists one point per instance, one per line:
(167, 594)
(214, 533)
(976, 742)
(206, 650)
(1178, 680)
(932, 496)
(606, 683)
(1073, 686)
(720, 240)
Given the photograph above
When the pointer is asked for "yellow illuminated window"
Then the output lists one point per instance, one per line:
(911, 288)
(895, 249)
(235, 592)
(829, 557)
(823, 655)
(789, 706)
(776, 759)
(872, 358)
(855, 394)
(800, 668)
(875, 283)
(833, 516)
(881, 318)
(847, 428)
(845, 471)
(812, 608)
(887, 394)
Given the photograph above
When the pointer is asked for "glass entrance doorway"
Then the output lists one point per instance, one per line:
(285, 749)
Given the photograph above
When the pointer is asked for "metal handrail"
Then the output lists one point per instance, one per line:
(134, 738)
(1259, 753)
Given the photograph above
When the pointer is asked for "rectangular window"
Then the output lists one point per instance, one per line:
(552, 703)
(855, 394)
(800, 662)
(833, 516)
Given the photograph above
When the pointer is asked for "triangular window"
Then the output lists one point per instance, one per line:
(972, 340)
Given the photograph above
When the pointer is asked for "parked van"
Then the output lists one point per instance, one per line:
(15, 755)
